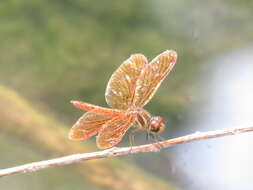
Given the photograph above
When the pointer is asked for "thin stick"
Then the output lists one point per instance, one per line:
(155, 147)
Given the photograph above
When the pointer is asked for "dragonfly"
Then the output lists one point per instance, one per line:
(129, 89)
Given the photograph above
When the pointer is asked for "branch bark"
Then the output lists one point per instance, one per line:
(115, 151)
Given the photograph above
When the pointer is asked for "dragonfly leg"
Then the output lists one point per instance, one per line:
(131, 137)
(155, 138)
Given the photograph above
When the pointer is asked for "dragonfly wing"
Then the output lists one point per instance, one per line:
(113, 131)
(152, 76)
(121, 86)
(96, 109)
(88, 125)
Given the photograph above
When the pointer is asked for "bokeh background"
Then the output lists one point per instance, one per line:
(54, 51)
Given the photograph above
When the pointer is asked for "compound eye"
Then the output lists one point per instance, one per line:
(157, 124)
(154, 121)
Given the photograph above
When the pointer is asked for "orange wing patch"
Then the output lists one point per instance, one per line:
(88, 125)
(96, 109)
(152, 76)
(113, 131)
(121, 86)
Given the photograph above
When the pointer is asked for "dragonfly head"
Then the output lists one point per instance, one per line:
(156, 124)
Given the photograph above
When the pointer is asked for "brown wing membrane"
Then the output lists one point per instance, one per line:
(121, 86)
(113, 131)
(152, 76)
(88, 125)
(97, 109)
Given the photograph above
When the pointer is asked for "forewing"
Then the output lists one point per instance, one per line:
(88, 125)
(113, 131)
(96, 109)
(152, 76)
(121, 86)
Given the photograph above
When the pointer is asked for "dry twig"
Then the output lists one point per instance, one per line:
(155, 147)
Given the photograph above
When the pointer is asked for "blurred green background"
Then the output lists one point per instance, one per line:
(55, 51)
